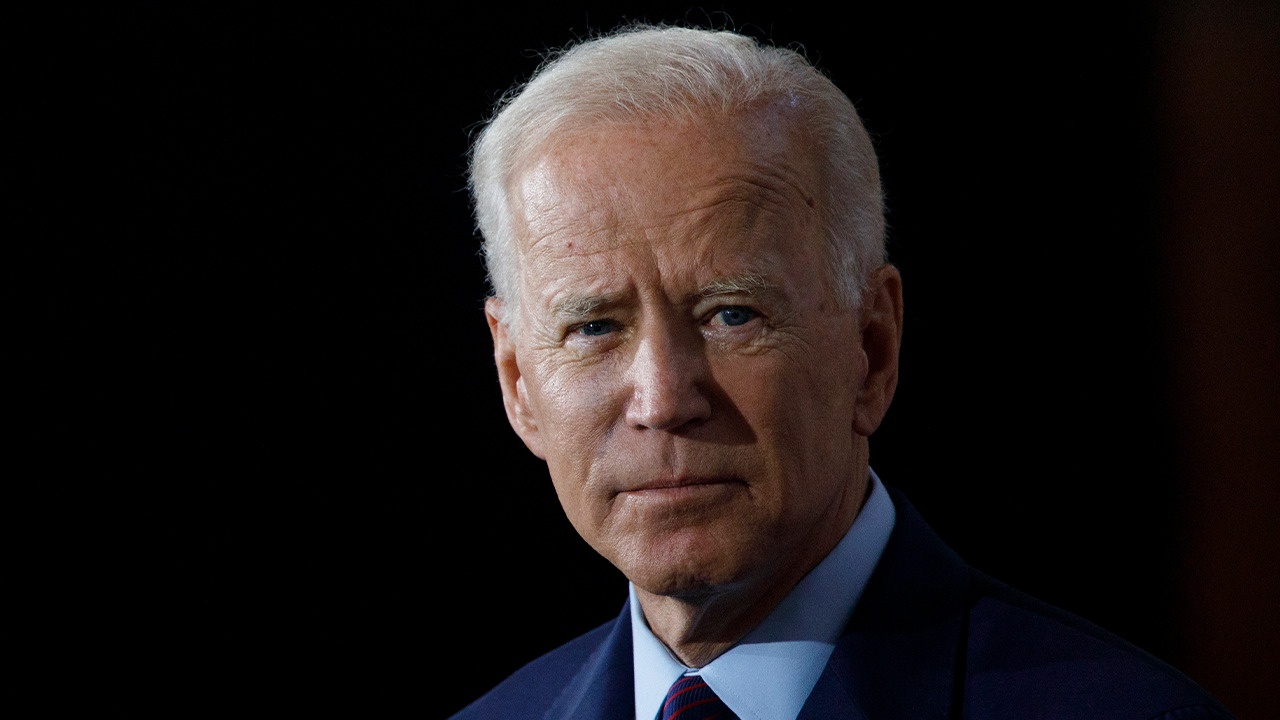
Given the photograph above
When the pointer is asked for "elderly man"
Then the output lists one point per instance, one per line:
(695, 328)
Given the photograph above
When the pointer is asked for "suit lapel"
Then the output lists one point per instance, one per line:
(604, 688)
(900, 654)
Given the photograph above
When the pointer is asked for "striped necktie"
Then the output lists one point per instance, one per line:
(691, 699)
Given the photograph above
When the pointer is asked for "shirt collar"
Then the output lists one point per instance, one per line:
(770, 673)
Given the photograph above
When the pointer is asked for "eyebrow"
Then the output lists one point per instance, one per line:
(579, 306)
(746, 284)
(583, 305)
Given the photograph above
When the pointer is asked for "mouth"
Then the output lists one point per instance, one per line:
(680, 485)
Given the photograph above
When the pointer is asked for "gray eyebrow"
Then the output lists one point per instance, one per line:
(577, 306)
(583, 305)
(747, 283)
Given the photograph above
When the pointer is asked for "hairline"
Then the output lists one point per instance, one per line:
(845, 242)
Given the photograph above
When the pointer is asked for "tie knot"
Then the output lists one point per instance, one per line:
(690, 698)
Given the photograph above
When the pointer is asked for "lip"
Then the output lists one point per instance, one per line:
(680, 483)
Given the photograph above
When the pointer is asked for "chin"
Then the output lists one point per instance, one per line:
(682, 567)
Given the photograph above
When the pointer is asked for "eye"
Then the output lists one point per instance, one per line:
(594, 328)
(735, 315)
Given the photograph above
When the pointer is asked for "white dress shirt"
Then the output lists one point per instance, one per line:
(769, 674)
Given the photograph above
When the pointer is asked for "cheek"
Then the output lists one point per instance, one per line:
(801, 411)
(778, 393)
(576, 411)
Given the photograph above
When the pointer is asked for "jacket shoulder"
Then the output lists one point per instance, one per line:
(531, 690)
(1026, 658)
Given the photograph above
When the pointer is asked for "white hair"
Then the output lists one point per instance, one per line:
(677, 74)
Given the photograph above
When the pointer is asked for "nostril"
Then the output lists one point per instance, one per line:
(669, 408)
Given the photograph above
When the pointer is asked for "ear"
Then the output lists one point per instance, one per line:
(514, 396)
(880, 321)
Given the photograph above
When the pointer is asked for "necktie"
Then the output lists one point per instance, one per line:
(690, 699)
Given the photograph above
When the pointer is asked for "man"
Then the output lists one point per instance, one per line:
(695, 328)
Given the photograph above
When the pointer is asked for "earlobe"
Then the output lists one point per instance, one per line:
(881, 328)
(515, 397)
(523, 421)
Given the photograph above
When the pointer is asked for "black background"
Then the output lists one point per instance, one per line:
(267, 435)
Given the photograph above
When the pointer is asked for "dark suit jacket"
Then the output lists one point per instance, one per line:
(930, 638)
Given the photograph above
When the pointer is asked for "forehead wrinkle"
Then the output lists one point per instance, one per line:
(550, 208)
(745, 198)
(779, 180)
(556, 221)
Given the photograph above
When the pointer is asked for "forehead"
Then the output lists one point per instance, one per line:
(707, 196)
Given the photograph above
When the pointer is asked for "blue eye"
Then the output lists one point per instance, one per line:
(736, 315)
(597, 327)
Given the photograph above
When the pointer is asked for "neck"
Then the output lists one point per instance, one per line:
(698, 628)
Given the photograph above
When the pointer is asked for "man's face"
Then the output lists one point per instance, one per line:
(682, 364)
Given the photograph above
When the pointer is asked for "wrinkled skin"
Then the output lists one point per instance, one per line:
(700, 396)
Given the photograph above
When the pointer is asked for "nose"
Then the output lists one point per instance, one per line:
(669, 375)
